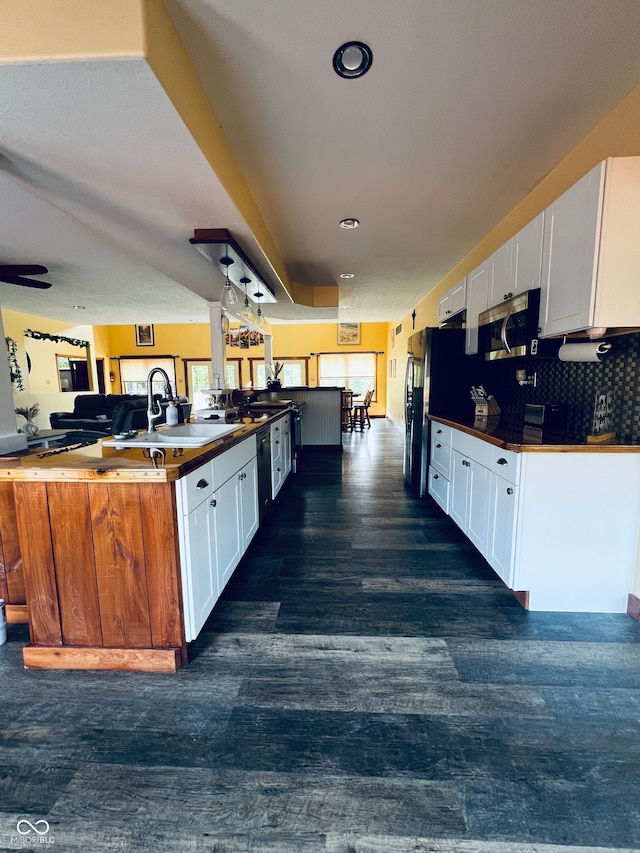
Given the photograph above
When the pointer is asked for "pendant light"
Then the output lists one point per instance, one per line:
(247, 311)
(259, 316)
(229, 295)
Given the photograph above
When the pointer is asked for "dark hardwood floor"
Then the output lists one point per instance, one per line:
(365, 685)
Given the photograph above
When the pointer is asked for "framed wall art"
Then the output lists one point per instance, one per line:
(349, 333)
(145, 336)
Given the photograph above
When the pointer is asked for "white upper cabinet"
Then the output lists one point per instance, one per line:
(477, 302)
(527, 256)
(516, 266)
(453, 302)
(500, 278)
(591, 252)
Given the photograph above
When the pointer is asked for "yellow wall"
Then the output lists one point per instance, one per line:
(294, 340)
(617, 135)
(193, 341)
(186, 340)
(41, 385)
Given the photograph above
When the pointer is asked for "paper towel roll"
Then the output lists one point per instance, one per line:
(583, 352)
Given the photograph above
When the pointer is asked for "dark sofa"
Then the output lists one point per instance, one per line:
(111, 414)
(91, 412)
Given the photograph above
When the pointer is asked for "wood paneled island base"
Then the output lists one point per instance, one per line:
(102, 575)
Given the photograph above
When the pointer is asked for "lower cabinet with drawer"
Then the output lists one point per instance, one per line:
(440, 465)
(218, 517)
(559, 528)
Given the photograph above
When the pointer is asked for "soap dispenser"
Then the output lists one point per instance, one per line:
(172, 413)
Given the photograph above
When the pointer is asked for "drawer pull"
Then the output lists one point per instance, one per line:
(202, 484)
(509, 491)
(436, 476)
(466, 463)
(502, 461)
(438, 446)
(212, 502)
(439, 431)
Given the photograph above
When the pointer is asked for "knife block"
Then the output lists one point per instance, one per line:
(487, 408)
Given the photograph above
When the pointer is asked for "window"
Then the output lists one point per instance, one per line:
(199, 376)
(356, 371)
(134, 372)
(294, 372)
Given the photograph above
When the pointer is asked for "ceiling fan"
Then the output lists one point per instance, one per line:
(16, 274)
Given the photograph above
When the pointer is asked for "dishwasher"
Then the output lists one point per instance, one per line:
(263, 438)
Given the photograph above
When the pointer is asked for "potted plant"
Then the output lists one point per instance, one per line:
(29, 413)
(273, 383)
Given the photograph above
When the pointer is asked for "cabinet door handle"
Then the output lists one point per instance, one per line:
(508, 295)
(439, 431)
(212, 502)
(438, 446)
(436, 476)
(202, 484)
(466, 463)
(509, 491)
(502, 461)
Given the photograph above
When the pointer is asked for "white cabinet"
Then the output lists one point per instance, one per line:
(235, 518)
(218, 516)
(591, 252)
(200, 588)
(516, 266)
(470, 498)
(502, 527)
(477, 302)
(560, 527)
(249, 513)
(453, 301)
(478, 503)
(280, 452)
(440, 465)
(526, 256)
(500, 285)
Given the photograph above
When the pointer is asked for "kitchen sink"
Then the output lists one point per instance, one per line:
(185, 435)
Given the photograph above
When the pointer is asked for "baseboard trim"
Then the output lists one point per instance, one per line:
(633, 607)
(522, 597)
(76, 657)
(16, 613)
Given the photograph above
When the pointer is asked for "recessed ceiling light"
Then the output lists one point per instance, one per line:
(80, 307)
(346, 275)
(352, 59)
(349, 223)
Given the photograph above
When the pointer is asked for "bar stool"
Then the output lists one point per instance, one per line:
(347, 411)
(361, 412)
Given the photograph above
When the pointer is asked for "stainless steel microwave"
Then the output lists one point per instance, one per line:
(510, 329)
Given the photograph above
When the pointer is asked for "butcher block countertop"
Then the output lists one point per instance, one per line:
(98, 463)
(511, 439)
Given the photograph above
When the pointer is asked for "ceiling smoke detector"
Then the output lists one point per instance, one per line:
(352, 59)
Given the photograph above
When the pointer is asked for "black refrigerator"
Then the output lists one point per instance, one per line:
(438, 380)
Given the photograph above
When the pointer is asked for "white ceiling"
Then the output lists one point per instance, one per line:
(468, 104)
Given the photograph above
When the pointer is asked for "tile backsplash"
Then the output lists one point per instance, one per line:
(574, 385)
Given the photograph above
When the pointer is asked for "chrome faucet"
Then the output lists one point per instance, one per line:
(152, 413)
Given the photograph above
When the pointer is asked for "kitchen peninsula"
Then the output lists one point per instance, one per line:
(122, 561)
(557, 521)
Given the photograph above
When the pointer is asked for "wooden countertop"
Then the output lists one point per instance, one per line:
(96, 462)
(511, 439)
